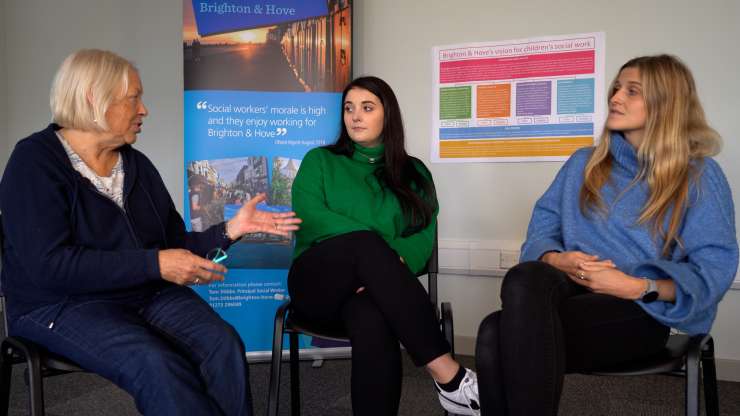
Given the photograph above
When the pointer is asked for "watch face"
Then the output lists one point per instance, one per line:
(650, 297)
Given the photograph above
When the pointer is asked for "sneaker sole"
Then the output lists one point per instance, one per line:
(456, 408)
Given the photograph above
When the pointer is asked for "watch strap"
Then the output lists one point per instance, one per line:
(651, 293)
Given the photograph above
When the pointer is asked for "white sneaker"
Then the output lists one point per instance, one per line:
(464, 400)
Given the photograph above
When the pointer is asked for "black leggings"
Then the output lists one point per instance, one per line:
(393, 307)
(549, 326)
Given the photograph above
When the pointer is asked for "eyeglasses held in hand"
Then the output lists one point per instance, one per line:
(217, 255)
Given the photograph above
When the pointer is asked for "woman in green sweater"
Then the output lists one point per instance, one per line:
(369, 221)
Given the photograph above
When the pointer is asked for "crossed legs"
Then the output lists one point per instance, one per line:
(549, 326)
(393, 307)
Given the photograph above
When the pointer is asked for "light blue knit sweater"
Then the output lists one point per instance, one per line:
(703, 269)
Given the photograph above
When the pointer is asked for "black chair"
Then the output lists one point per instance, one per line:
(40, 363)
(288, 321)
(683, 355)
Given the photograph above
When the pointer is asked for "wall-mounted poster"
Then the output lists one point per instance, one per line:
(263, 86)
(518, 100)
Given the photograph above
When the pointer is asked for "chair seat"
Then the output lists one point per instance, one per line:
(669, 360)
(48, 360)
(689, 356)
(59, 363)
(294, 322)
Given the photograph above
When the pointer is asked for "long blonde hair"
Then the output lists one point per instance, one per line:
(676, 133)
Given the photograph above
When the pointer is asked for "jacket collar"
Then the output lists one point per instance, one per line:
(51, 141)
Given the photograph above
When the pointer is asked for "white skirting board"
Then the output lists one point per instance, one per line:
(483, 258)
(728, 370)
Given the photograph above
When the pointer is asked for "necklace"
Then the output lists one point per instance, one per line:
(371, 160)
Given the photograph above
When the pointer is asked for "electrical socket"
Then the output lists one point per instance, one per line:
(508, 258)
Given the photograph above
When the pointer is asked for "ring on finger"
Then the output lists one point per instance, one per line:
(581, 275)
(197, 280)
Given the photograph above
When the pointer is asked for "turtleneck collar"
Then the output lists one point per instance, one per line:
(623, 153)
(369, 155)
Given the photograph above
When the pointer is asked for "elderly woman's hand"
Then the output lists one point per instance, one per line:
(182, 267)
(249, 219)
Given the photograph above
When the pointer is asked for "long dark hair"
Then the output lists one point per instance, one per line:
(399, 173)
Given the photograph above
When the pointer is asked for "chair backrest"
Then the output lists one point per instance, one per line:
(433, 270)
(2, 295)
(2, 238)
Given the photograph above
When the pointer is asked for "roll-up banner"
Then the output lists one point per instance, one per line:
(263, 84)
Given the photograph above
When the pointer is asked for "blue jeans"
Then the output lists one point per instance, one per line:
(168, 349)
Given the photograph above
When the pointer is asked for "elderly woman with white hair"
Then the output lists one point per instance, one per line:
(97, 261)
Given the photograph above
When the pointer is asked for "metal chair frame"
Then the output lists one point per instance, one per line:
(689, 356)
(40, 363)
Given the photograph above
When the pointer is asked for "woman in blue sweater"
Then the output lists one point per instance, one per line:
(633, 237)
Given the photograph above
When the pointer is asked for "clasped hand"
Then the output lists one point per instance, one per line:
(599, 276)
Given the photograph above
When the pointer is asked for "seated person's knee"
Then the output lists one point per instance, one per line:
(524, 281)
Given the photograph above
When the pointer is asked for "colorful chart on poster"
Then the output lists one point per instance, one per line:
(519, 100)
(262, 86)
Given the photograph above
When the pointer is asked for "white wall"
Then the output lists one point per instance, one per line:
(492, 201)
(483, 202)
(4, 141)
(40, 33)
(393, 39)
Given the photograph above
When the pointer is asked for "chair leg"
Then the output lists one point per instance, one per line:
(32, 375)
(6, 373)
(448, 329)
(35, 381)
(295, 382)
(711, 397)
(273, 395)
(692, 382)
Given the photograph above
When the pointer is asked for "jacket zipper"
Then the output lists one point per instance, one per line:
(122, 211)
(130, 230)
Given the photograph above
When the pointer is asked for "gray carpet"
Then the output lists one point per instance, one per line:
(325, 392)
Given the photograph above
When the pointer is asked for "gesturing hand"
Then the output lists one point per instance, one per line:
(182, 267)
(249, 219)
(571, 262)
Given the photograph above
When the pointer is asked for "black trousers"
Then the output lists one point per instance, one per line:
(393, 307)
(549, 326)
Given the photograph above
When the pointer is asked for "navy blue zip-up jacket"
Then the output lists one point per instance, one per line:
(65, 240)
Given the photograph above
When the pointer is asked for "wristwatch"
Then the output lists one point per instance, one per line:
(651, 293)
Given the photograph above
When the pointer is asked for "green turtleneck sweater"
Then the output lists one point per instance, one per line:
(336, 194)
